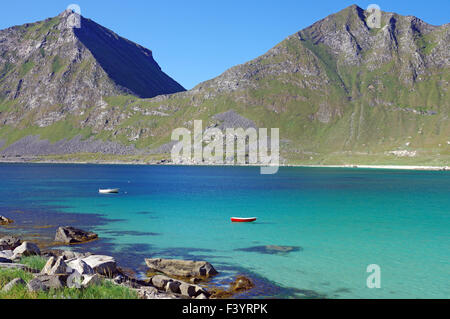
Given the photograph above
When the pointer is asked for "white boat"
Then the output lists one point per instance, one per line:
(108, 191)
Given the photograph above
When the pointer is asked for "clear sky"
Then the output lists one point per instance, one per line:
(196, 40)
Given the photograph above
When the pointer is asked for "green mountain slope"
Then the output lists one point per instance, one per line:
(340, 92)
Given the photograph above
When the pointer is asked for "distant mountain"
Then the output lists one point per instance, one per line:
(339, 91)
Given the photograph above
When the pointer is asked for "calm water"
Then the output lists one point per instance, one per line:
(338, 221)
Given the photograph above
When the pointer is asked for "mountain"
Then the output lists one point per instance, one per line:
(339, 91)
(50, 71)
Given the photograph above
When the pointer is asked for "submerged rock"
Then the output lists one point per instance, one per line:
(181, 268)
(272, 249)
(71, 235)
(241, 283)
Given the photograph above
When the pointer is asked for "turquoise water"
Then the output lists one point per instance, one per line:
(338, 220)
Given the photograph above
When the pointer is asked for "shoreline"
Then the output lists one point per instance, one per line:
(364, 166)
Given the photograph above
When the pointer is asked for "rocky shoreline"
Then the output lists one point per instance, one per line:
(167, 279)
(37, 160)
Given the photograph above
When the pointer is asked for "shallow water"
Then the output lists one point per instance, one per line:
(337, 221)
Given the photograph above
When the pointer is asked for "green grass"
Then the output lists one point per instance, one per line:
(104, 290)
(35, 262)
(57, 65)
(25, 68)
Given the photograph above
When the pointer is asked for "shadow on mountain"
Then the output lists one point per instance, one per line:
(126, 63)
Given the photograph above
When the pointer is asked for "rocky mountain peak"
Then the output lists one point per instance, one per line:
(68, 64)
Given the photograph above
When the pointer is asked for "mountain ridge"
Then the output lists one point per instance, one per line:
(338, 90)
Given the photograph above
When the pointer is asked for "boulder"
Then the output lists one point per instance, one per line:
(192, 291)
(71, 235)
(5, 220)
(12, 283)
(26, 249)
(119, 279)
(9, 243)
(90, 280)
(177, 286)
(35, 285)
(80, 266)
(153, 293)
(147, 292)
(160, 281)
(68, 254)
(181, 268)
(6, 254)
(241, 283)
(12, 265)
(55, 266)
(46, 282)
(103, 265)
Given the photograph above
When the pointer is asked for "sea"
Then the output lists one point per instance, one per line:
(319, 233)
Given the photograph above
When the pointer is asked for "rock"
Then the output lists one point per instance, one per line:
(173, 286)
(177, 286)
(5, 220)
(46, 282)
(191, 291)
(272, 249)
(12, 265)
(79, 265)
(181, 268)
(119, 279)
(103, 265)
(55, 266)
(9, 243)
(5, 260)
(68, 254)
(241, 283)
(153, 293)
(35, 285)
(147, 292)
(160, 281)
(12, 283)
(71, 235)
(6, 254)
(90, 280)
(26, 249)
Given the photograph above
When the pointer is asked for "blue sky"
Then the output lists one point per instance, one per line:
(196, 40)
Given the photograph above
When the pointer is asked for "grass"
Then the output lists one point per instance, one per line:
(104, 290)
(35, 262)
(57, 64)
(25, 68)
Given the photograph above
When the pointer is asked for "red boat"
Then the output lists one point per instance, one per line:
(242, 219)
